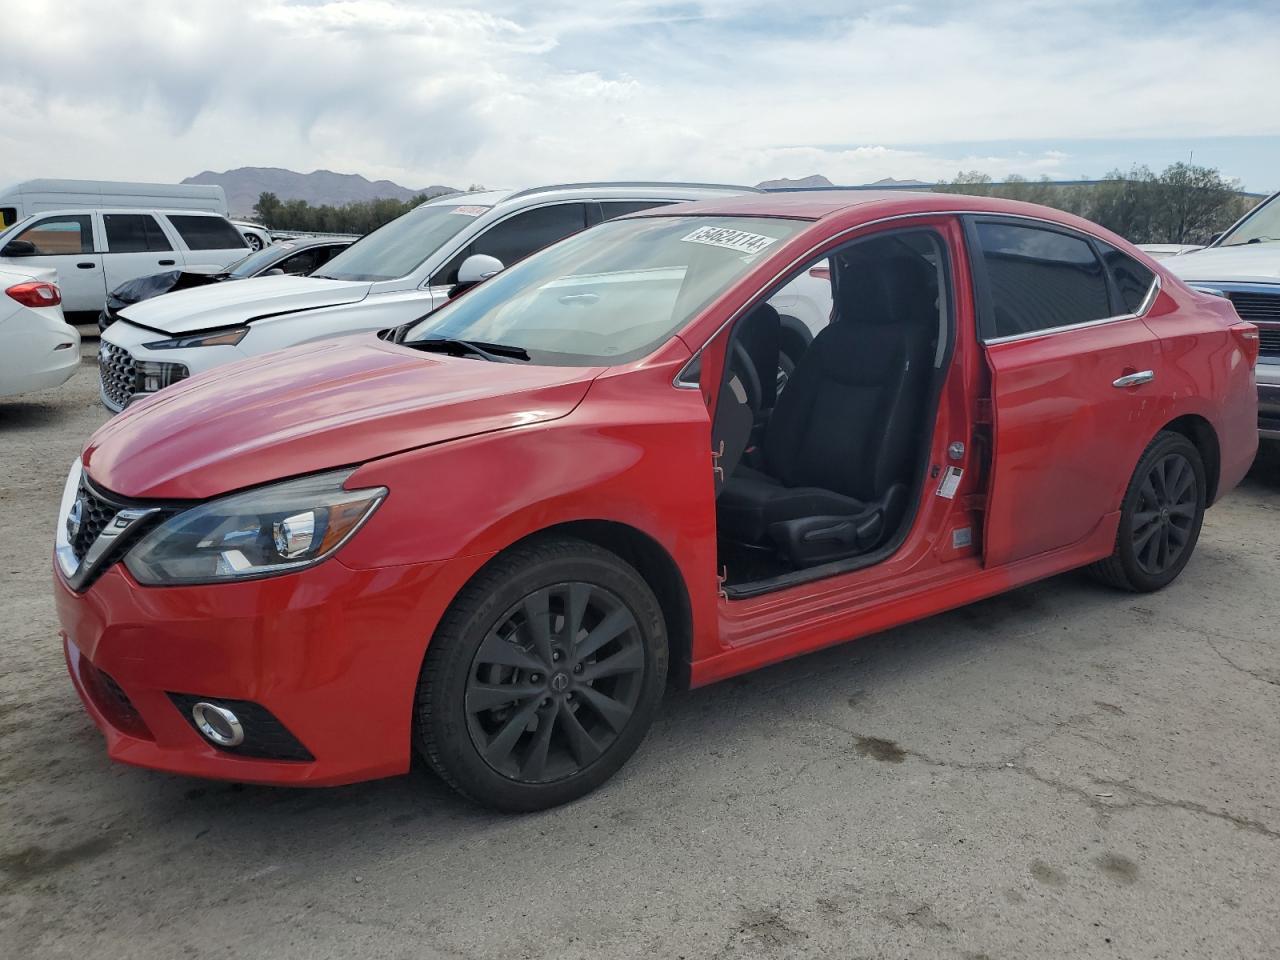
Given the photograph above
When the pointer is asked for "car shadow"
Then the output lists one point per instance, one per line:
(26, 415)
(1265, 473)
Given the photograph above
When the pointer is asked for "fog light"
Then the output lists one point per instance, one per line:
(218, 724)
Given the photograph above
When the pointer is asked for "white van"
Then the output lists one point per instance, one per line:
(94, 251)
(36, 196)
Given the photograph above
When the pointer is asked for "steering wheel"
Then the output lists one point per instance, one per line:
(740, 365)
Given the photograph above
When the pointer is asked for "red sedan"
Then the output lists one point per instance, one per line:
(492, 537)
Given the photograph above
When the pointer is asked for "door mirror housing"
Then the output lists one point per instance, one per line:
(274, 272)
(19, 248)
(477, 268)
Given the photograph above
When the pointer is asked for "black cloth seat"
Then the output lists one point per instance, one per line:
(836, 456)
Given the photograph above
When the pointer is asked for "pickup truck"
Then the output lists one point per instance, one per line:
(96, 250)
(1244, 265)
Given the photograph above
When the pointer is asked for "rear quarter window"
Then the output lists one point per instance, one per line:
(207, 233)
(1133, 279)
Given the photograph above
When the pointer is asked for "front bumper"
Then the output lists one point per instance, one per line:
(332, 653)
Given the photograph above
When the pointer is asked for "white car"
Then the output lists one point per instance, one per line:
(96, 250)
(38, 348)
(396, 274)
(255, 235)
(1244, 265)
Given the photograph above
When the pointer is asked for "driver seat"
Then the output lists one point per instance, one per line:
(837, 453)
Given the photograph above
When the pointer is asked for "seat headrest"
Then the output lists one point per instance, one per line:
(876, 286)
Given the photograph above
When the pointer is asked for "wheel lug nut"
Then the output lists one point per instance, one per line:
(577, 668)
(556, 655)
(546, 701)
(535, 678)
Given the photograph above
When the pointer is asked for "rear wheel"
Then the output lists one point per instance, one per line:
(543, 677)
(1160, 517)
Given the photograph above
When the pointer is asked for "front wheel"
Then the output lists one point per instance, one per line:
(254, 241)
(1160, 517)
(543, 676)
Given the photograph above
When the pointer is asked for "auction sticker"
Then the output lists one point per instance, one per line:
(730, 239)
(469, 211)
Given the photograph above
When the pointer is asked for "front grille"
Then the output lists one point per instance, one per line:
(118, 372)
(95, 514)
(1269, 341)
(1257, 307)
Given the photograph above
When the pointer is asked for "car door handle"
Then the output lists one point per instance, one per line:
(86, 266)
(165, 263)
(1133, 379)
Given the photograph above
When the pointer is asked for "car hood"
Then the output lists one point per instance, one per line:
(316, 407)
(1254, 263)
(229, 304)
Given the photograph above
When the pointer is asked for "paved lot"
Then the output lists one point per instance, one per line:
(1060, 772)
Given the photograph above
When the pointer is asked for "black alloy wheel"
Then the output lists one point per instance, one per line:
(1160, 517)
(555, 682)
(1167, 510)
(543, 676)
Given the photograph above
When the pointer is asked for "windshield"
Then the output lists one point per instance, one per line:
(1260, 226)
(612, 293)
(394, 250)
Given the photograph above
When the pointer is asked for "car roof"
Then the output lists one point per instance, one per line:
(860, 206)
(167, 211)
(605, 190)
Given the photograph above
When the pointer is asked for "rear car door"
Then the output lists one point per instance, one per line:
(211, 241)
(1074, 373)
(64, 242)
(135, 247)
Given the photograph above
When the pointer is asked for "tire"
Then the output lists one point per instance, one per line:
(502, 706)
(1160, 517)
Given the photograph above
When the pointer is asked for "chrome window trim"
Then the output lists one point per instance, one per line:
(1142, 311)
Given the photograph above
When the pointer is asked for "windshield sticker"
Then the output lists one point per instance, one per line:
(469, 211)
(730, 239)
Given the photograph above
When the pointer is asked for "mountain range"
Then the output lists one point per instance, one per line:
(244, 184)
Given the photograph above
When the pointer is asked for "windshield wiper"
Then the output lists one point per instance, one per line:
(494, 352)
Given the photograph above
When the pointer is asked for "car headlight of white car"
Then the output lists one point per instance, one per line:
(224, 337)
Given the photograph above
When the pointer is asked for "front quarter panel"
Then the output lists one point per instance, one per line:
(636, 451)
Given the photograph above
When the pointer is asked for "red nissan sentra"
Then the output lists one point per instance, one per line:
(493, 536)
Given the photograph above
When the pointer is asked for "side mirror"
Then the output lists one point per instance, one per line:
(274, 272)
(19, 248)
(477, 268)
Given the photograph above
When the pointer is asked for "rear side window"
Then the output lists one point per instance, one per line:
(133, 233)
(1132, 279)
(1039, 279)
(207, 233)
(619, 208)
(60, 235)
(520, 235)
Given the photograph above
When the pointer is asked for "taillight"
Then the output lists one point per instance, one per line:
(36, 293)
(1246, 335)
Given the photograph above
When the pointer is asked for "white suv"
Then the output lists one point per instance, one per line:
(394, 275)
(1244, 265)
(94, 251)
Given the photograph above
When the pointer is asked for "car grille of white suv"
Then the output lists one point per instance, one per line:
(119, 375)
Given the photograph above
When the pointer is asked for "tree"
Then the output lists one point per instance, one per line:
(267, 208)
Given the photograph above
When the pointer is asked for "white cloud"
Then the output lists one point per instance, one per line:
(511, 93)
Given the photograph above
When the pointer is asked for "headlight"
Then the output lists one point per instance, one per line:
(259, 533)
(226, 337)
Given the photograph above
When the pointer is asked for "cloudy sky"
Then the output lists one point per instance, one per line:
(511, 93)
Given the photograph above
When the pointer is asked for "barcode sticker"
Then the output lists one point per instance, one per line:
(950, 483)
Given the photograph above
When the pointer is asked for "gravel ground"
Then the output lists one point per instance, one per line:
(1059, 772)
